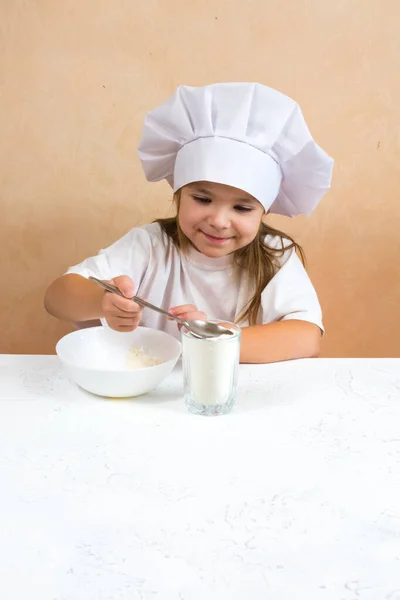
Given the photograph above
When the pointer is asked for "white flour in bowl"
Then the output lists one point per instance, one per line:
(137, 359)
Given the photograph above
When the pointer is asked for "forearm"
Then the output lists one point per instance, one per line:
(74, 298)
(283, 340)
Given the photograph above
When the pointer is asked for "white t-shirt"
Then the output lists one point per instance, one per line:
(167, 278)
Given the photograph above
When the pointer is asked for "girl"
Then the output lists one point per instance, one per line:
(232, 152)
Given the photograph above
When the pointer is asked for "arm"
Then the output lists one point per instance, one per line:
(291, 316)
(74, 298)
(283, 340)
(272, 342)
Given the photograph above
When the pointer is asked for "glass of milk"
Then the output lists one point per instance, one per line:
(210, 371)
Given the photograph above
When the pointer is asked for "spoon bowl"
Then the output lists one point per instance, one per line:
(205, 329)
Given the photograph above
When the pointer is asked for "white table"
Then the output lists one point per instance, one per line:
(293, 496)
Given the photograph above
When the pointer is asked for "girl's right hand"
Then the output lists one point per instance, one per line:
(121, 314)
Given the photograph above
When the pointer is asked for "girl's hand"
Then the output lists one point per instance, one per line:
(188, 312)
(121, 314)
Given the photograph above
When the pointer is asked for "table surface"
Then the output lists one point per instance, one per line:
(294, 495)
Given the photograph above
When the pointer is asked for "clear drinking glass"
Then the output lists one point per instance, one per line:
(210, 371)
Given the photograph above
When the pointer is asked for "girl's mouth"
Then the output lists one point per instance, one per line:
(216, 240)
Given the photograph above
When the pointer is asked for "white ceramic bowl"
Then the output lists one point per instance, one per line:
(97, 360)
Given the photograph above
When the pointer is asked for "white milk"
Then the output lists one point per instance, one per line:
(210, 367)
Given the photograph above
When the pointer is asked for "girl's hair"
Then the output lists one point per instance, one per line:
(257, 261)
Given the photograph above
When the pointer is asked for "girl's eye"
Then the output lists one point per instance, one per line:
(238, 207)
(202, 200)
(243, 208)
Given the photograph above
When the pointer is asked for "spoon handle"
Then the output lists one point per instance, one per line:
(115, 290)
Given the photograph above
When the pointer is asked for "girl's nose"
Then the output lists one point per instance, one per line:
(219, 218)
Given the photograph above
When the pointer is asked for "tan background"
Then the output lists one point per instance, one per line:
(76, 79)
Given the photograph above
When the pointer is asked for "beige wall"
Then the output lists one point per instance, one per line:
(76, 79)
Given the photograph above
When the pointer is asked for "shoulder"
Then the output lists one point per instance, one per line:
(147, 236)
(282, 249)
(276, 242)
(151, 231)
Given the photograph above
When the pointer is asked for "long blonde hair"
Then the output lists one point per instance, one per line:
(257, 260)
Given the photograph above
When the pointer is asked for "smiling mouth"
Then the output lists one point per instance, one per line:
(213, 238)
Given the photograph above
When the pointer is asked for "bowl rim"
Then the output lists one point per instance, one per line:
(71, 363)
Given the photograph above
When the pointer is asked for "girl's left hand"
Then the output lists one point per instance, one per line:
(188, 312)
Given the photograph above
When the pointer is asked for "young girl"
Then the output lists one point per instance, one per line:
(232, 152)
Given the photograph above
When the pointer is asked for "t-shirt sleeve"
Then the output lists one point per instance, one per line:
(130, 255)
(291, 295)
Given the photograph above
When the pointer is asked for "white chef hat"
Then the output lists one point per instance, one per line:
(244, 135)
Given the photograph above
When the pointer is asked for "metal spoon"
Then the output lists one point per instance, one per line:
(198, 328)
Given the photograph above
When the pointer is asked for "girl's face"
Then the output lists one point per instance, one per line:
(218, 219)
